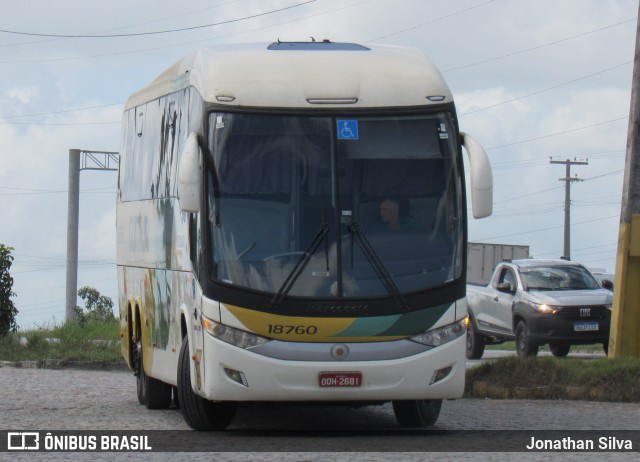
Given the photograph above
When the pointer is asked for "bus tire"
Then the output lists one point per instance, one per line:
(151, 392)
(158, 394)
(417, 413)
(176, 401)
(139, 371)
(199, 413)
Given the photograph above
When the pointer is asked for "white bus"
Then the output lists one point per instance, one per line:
(291, 226)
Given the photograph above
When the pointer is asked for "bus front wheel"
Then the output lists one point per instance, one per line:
(417, 413)
(199, 413)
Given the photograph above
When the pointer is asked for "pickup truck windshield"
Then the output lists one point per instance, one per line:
(334, 207)
(558, 278)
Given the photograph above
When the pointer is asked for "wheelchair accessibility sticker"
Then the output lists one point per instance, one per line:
(347, 129)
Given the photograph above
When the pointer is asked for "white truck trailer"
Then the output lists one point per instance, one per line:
(483, 258)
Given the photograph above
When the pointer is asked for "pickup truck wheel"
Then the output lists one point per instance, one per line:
(559, 349)
(417, 413)
(475, 342)
(524, 347)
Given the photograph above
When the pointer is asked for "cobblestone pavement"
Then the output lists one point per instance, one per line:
(74, 399)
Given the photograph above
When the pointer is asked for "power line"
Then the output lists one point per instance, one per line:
(527, 195)
(432, 21)
(59, 124)
(174, 45)
(129, 26)
(137, 34)
(555, 42)
(50, 190)
(539, 162)
(36, 192)
(604, 174)
(559, 133)
(582, 248)
(538, 92)
(545, 229)
(61, 111)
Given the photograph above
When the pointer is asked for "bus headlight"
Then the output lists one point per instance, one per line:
(442, 335)
(236, 337)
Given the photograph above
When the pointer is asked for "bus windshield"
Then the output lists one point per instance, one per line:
(349, 207)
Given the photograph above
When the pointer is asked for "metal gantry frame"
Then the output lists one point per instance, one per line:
(80, 159)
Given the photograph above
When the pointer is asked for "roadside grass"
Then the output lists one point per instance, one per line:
(95, 341)
(556, 378)
(511, 346)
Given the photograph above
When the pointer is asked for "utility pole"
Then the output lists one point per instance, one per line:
(80, 160)
(567, 200)
(624, 338)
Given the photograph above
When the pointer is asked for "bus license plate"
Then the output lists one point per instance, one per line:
(340, 379)
(585, 326)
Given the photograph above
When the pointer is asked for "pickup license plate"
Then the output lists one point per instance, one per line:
(585, 326)
(340, 379)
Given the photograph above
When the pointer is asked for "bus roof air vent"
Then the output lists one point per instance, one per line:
(325, 45)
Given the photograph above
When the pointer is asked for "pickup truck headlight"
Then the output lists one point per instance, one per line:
(442, 335)
(236, 337)
(544, 308)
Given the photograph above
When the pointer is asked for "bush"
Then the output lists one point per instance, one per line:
(8, 311)
(97, 308)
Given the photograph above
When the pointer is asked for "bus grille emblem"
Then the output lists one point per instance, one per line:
(339, 352)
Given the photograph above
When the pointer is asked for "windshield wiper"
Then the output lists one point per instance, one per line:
(302, 262)
(381, 271)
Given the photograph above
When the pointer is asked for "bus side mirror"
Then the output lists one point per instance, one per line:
(189, 175)
(480, 176)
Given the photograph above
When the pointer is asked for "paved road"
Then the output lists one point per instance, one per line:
(96, 400)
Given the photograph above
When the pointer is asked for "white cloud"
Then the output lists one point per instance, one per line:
(25, 95)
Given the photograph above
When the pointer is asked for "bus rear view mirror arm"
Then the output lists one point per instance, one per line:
(481, 178)
(190, 175)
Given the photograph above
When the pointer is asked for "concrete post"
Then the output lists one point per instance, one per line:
(73, 212)
(624, 340)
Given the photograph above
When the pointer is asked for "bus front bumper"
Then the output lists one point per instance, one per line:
(230, 373)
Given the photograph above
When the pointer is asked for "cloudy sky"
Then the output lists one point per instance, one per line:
(532, 80)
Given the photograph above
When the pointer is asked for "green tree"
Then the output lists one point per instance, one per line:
(8, 311)
(97, 307)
